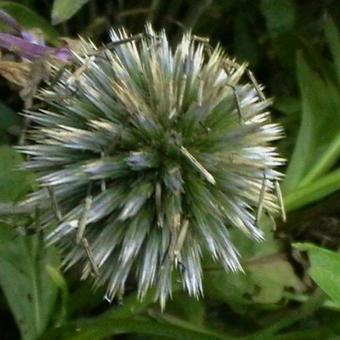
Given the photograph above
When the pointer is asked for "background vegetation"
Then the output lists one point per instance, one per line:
(291, 287)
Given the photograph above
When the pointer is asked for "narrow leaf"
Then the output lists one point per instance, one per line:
(313, 192)
(333, 39)
(319, 130)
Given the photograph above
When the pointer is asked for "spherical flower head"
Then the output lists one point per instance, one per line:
(147, 156)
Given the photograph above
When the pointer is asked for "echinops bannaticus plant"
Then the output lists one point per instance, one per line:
(147, 155)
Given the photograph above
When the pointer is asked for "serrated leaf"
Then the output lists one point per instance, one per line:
(30, 292)
(29, 19)
(324, 269)
(64, 9)
(14, 183)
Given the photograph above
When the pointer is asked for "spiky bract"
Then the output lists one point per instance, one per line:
(172, 147)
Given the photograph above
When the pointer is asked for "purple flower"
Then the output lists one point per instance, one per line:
(30, 50)
(28, 46)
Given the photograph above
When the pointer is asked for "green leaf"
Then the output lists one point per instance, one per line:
(127, 319)
(187, 308)
(313, 192)
(333, 39)
(287, 105)
(289, 318)
(267, 275)
(232, 288)
(64, 9)
(324, 268)
(100, 329)
(14, 183)
(8, 117)
(58, 279)
(29, 19)
(280, 15)
(315, 151)
(264, 282)
(9, 122)
(30, 292)
(325, 162)
(271, 276)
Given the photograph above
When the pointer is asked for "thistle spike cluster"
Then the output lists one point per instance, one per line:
(150, 155)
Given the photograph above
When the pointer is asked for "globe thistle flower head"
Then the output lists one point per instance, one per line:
(147, 155)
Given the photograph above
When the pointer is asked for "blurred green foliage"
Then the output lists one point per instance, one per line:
(289, 290)
(29, 19)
